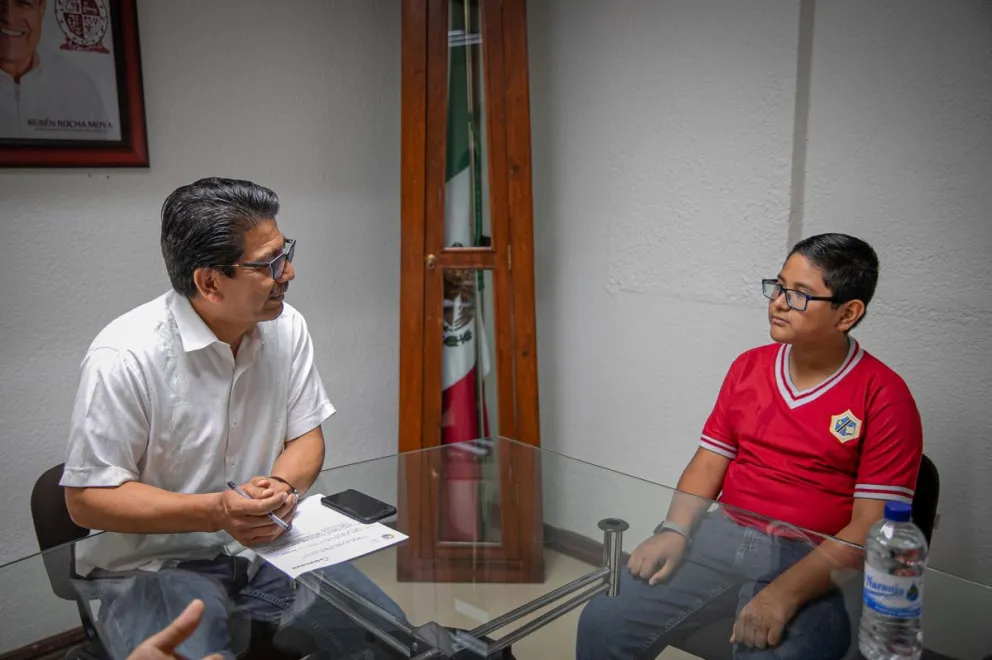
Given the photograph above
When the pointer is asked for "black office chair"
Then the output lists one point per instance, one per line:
(56, 532)
(925, 500)
(710, 641)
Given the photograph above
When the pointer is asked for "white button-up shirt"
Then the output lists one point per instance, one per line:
(54, 101)
(164, 402)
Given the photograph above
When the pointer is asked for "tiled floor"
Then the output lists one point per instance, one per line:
(468, 605)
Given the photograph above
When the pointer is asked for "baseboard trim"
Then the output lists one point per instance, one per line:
(576, 546)
(50, 648)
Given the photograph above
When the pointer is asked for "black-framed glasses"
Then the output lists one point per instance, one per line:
(277, 265)
(797, 300)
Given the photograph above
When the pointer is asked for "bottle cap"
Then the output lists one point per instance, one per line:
(898, 511)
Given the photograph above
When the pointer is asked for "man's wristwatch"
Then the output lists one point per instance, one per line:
(675, 527)
(292, 489)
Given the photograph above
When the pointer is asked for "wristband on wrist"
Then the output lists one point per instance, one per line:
(283, 481)
(674, 527)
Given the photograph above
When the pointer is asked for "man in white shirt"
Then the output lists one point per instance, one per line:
(211, 382)
(44, 96)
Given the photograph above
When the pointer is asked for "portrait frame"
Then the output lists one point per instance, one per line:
(131, 149)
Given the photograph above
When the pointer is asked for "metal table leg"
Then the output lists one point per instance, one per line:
(603, 580)
(613, 529)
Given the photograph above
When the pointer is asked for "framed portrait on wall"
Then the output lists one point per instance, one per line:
(70, 84)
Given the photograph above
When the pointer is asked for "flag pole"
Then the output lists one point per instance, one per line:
(476, 195)
(473, 147)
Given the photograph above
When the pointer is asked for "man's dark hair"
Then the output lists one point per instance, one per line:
(204, 223)
(849, 266)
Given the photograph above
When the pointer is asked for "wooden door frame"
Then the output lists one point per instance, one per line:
(413, 192)
(510, 257)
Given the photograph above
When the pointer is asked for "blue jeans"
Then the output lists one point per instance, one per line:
(138, 604)
(726, 565)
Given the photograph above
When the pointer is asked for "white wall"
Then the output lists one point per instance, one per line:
(900, 151)
(302, 99)
(663, 142)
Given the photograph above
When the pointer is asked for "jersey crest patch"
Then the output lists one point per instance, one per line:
(845, 426)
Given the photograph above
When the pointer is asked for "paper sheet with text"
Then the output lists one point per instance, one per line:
(323, 537)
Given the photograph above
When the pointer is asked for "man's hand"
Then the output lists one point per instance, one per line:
(656, 558)
(763, 620)
(247, 520)
(162, 645)
(287, 510)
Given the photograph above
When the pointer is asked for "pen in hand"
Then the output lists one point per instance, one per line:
(237, 489)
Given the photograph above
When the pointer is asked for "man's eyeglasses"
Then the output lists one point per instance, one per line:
(797, 300)
(277, 265)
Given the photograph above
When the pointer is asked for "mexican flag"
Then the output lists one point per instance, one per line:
(465, 358)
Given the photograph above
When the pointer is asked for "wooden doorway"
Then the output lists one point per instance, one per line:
(468, 358)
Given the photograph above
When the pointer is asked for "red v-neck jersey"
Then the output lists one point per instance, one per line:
(802, 456)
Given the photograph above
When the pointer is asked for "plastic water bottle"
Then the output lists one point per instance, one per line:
(895, 556)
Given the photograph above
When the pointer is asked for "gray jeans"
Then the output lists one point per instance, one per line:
(136, 605)
(726, 565)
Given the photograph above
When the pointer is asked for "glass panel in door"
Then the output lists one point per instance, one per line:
(469, 488)
(466, 208)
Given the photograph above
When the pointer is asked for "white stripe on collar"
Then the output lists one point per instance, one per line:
(792, 395)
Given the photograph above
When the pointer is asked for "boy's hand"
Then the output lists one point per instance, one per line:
(656, 558)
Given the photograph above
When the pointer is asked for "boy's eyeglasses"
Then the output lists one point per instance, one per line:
(797, 300)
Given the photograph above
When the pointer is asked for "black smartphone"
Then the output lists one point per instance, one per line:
(359, 506)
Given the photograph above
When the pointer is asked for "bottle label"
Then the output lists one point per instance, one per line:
(893, 595)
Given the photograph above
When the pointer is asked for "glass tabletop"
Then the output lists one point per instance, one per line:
(513, 545)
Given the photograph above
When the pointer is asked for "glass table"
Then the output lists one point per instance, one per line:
(465, 598)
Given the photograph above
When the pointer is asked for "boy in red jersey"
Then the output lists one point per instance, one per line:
(811, 431)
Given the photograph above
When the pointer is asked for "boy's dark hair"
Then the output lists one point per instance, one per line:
(204, 223)
(849, 265)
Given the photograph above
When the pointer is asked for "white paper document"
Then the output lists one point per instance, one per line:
(323, 537)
